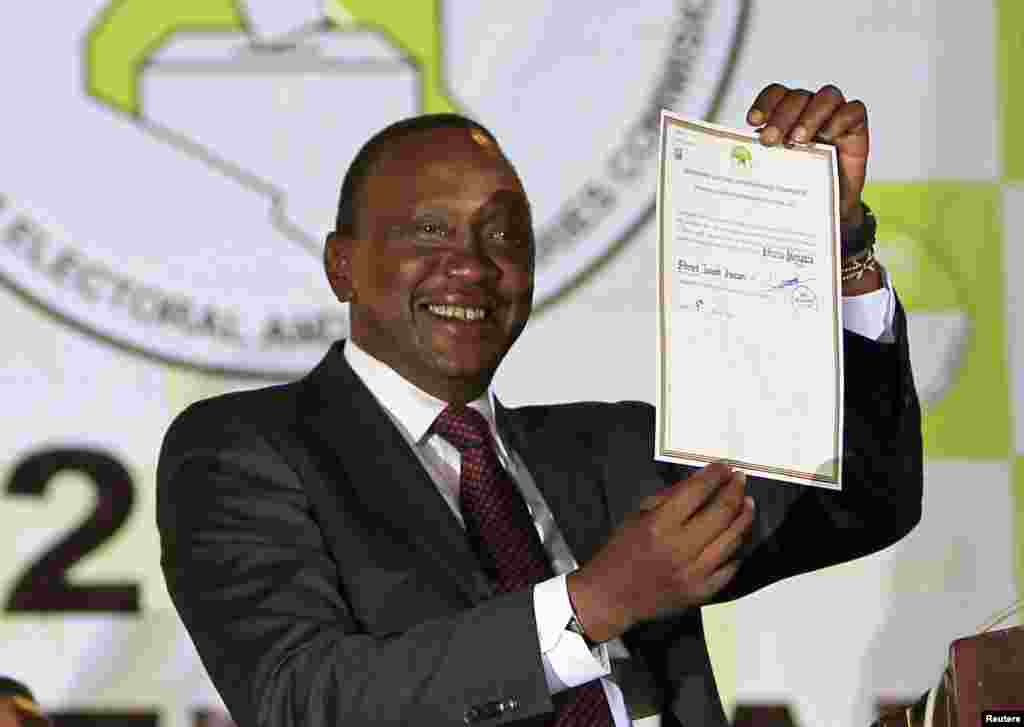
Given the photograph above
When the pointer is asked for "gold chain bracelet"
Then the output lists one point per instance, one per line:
(855, 268)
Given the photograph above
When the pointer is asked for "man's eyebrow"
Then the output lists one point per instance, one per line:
(500, 210)
(433, 208)
(505, 199)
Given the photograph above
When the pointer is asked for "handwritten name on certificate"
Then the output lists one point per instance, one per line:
(750, 342)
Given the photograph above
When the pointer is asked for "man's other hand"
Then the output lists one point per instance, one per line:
(673, 553)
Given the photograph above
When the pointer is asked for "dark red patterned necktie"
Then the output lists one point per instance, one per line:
(506, 541)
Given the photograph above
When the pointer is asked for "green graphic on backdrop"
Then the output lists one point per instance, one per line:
(1011, 69)
(1018, 495)
(942, 243)
(128, 32)
(1011, 109)
(415, 27)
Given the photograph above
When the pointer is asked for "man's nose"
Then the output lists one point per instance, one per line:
(468, 260)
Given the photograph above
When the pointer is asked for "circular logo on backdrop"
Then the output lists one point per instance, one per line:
(196, 165)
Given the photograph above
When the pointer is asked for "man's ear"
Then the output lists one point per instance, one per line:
(338, 265)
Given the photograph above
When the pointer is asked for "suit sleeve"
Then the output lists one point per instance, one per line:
(799, 529)
(248, 570)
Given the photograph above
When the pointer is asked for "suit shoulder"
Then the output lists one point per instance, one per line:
(234, 432)
(216, 421)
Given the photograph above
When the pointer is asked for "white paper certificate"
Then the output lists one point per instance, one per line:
(750, 343)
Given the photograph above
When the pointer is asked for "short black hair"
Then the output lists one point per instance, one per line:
(13, 688)
(345, 224)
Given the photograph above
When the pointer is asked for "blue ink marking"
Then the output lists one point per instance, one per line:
(792, 281)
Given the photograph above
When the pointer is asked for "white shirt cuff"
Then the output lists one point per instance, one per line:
(567, 660)
(872, 314)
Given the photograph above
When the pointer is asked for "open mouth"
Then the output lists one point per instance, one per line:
(458, 312)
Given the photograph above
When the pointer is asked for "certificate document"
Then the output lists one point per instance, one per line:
(750, 340)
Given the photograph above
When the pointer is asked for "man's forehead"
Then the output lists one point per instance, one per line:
(486, 143)
(447, 156)
(431, 145)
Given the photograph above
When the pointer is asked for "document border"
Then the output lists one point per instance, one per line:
(662, 451)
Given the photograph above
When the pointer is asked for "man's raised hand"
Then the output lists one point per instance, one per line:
(795, 115)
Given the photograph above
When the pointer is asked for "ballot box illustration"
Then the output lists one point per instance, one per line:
(284, 121)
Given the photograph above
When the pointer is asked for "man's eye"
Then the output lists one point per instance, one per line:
(508, 237)
(431, 229)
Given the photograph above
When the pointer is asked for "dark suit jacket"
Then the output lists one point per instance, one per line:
(325, 581)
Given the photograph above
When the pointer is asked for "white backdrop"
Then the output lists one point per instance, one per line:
(167, 177)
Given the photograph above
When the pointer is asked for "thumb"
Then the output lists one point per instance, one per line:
(652, 501)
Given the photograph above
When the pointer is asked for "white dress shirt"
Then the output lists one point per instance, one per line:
(567, 660)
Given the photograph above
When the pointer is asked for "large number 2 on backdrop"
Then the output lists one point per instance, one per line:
(44, 585)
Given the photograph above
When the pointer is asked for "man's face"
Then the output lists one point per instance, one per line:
(441, 264)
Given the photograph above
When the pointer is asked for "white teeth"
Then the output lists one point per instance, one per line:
(458, 311)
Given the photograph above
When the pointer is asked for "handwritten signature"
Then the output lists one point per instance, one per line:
(792, 282)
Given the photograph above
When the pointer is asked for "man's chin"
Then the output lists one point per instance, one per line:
(468, 371)
(466, 368)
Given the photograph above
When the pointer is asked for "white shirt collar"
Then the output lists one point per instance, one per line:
(413, 408)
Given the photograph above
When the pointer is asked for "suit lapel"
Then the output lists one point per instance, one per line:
(565, 471)
(347, 428)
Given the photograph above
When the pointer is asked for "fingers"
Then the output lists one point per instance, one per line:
(679, 548)
(714, 568)
(651, 502)
(725, 545)
(797, 115)
(715, 517)
(850, 118)
(719, 580)
(782, 109)
(687, 528)
(765, 103)
(805, 120)
(685, 497)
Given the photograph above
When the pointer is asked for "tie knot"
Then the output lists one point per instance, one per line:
(464, 427)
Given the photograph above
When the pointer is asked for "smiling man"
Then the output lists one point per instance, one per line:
(383, 543)
(434, 251)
